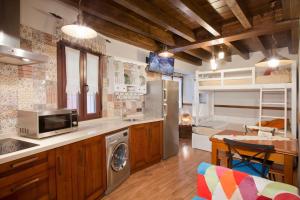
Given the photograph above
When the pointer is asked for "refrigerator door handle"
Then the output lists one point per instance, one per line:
(165, 109)
(164, 95)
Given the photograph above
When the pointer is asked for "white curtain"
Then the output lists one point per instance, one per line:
(72, 70)
(92, 73)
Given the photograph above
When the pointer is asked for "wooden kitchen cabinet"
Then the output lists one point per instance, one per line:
(138, 146)
(64, 158)
(32, 177)
(81, 172)
(145, 145)
(154, 142)
(91, 176)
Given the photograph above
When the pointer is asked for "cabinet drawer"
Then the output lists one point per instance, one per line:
(34, 187)
(23, 163)
(30, 174)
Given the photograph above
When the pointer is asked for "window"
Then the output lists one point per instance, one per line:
(79, 77)
(179, 80)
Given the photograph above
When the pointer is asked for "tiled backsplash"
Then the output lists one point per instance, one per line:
(30, 87)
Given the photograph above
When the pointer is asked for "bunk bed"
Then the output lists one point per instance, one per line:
(282, 81)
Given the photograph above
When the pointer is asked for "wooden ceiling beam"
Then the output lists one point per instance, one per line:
(238, 13)
(150, 12)
(188, 58)
(197, 14)
(237, 50)
(117, 32)
(199, 53)
(291, 11)
(114, 15)
(208, 49)
(120, 33)
(260, 46)
(253, 32)
(245, 22)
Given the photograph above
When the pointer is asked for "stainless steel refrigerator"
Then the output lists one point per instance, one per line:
(162, 101)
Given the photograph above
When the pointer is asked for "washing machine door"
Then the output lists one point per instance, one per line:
(119, 157)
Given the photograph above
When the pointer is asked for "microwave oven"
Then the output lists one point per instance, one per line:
(40, 124)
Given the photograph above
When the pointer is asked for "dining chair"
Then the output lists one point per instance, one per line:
(249, 158)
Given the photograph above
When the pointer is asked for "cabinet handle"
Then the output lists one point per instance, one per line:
(24, 162)
(59, 165)
(14, 189)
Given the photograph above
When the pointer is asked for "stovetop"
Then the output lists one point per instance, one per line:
(9, 145)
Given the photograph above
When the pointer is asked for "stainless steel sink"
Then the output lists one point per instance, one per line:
(9, 145)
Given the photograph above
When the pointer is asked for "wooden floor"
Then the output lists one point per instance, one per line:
(175, 178)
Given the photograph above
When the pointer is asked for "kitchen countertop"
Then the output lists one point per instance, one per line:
(87, 129)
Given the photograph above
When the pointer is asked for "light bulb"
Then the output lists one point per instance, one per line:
(165, 54)
(221, 55)
(213, 64)
(26, 59)
(273, 62)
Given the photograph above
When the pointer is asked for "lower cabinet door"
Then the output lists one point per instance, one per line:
(154, 142)
(93, 180)
(138, 146)
(80, 170)
(64, 165)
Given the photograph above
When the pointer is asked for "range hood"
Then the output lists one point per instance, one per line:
(10, 52)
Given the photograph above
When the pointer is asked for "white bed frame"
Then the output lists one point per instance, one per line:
(199, 141)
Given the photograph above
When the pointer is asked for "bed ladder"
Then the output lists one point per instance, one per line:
(281, 104)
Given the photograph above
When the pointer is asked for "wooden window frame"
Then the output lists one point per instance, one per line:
(61, 80)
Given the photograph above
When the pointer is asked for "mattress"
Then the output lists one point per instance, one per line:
(205, 131)
(211, 127)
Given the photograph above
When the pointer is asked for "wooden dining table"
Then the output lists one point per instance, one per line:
(286, 151)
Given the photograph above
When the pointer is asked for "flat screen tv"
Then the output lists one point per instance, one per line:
(160, 64)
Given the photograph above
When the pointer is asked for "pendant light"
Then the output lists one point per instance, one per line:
(165, 53)
(213, 61)
(275, 60)
(213, 64)
(79, 29)
(221, 54)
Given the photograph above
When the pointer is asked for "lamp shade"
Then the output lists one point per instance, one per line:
(275, 61)
(165, 54)
(79, 31)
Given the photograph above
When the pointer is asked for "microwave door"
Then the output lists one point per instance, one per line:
(50, 123)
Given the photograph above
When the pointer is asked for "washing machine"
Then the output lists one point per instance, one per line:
(117, 159)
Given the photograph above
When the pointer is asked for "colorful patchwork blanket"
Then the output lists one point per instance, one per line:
(220, 183)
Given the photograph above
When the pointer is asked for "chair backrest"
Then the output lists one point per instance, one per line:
(259, 153)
